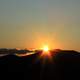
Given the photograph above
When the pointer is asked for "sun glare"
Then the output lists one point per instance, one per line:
(46, 54)
(45, 48)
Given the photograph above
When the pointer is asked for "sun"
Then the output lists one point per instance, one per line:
(45, 48)
(46, 54)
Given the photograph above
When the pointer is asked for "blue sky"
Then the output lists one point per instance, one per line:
(32, 23)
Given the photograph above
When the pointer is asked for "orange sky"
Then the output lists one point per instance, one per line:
(34, 23)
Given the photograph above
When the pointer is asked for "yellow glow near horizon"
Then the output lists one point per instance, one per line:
(46, 53)
(46, 48)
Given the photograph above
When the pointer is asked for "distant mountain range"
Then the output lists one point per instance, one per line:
(64, 65)
(5, 51)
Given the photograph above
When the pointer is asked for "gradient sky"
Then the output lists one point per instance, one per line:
(33, 23)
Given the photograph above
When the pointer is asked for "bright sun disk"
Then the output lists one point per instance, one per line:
(46, 48)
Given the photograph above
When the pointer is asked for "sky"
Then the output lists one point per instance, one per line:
(34, 23)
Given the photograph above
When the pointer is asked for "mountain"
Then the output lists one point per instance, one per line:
(64, 65)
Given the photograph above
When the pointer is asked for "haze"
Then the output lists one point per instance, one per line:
(33, 23)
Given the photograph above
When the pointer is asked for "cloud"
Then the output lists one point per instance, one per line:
(4, 51)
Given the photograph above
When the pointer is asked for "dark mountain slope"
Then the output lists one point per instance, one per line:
(65, 65)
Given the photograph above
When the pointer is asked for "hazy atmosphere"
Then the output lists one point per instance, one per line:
(33, 23)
